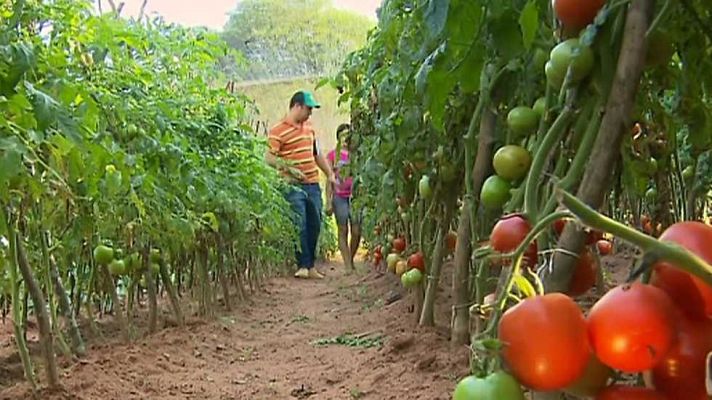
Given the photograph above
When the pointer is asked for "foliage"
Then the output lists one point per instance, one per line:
(286, 38)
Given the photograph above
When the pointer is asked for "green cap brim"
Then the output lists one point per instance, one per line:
(310, 101)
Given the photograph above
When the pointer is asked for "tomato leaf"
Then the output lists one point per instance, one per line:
(436, 17)
(529, 23)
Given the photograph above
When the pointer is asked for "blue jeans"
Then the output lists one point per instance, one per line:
(306, 203)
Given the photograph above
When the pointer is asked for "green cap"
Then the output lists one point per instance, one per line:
(309, 100)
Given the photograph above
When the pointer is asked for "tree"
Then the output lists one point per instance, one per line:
(283, 38)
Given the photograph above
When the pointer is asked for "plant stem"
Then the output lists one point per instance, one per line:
(664, 251)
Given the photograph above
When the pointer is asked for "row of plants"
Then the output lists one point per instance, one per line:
(126, 171)
(494, 134)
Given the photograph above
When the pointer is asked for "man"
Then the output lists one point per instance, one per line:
(293, 149)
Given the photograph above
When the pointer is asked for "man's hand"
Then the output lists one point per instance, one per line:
(297, 173)
(331, 179)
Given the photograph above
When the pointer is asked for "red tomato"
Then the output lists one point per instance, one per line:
(593, 236)
(681, 374)
(399, 244)
(585, 275)
(604, 247)
(692, 296)
(451, 240)
(632, 327)
(558, 355)
(618, 392)
(509, 232)
(558, 226)
(577, 14)
(417, 261)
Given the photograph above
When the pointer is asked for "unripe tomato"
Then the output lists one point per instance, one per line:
(512, 162)
(522, 120)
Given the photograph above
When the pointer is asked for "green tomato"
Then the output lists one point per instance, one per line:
(563, 55)
(103, 254)
(406, 281)
(405, 217)
(652, 166)
(155, 256)
(540, 106)
(415, 276)
(495, 192)
(155, 269)
(448, 172)
(117, 267)
(522, 120)
(497, 386)
(554, 74)
(424, 188)
(512, 162)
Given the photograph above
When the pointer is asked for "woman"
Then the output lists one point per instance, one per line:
(338, 200)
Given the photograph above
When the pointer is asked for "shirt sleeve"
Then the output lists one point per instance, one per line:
(331, 156)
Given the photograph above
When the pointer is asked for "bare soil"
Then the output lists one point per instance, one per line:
(270, 348)
(340, 338)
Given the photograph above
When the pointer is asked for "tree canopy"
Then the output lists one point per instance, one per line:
(284, 38)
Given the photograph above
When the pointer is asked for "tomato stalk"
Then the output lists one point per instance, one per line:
(41, 314)
(558, 128)
(660, 250)
(578, 165)
(20, 339)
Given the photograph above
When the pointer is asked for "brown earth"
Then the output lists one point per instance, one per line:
(268, 348)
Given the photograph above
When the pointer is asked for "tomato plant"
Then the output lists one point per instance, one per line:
(632, 327)
(561, 352)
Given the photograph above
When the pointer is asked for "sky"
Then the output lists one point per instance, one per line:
(214, 13)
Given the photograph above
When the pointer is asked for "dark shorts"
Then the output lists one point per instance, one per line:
(343, 212)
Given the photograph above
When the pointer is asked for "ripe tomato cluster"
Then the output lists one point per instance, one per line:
(662, 329)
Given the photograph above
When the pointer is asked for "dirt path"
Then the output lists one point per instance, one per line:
(267, 350)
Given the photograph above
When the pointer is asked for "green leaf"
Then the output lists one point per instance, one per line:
(436, 17)
(529, 23)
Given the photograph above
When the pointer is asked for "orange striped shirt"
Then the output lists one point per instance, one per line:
(295, 144)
